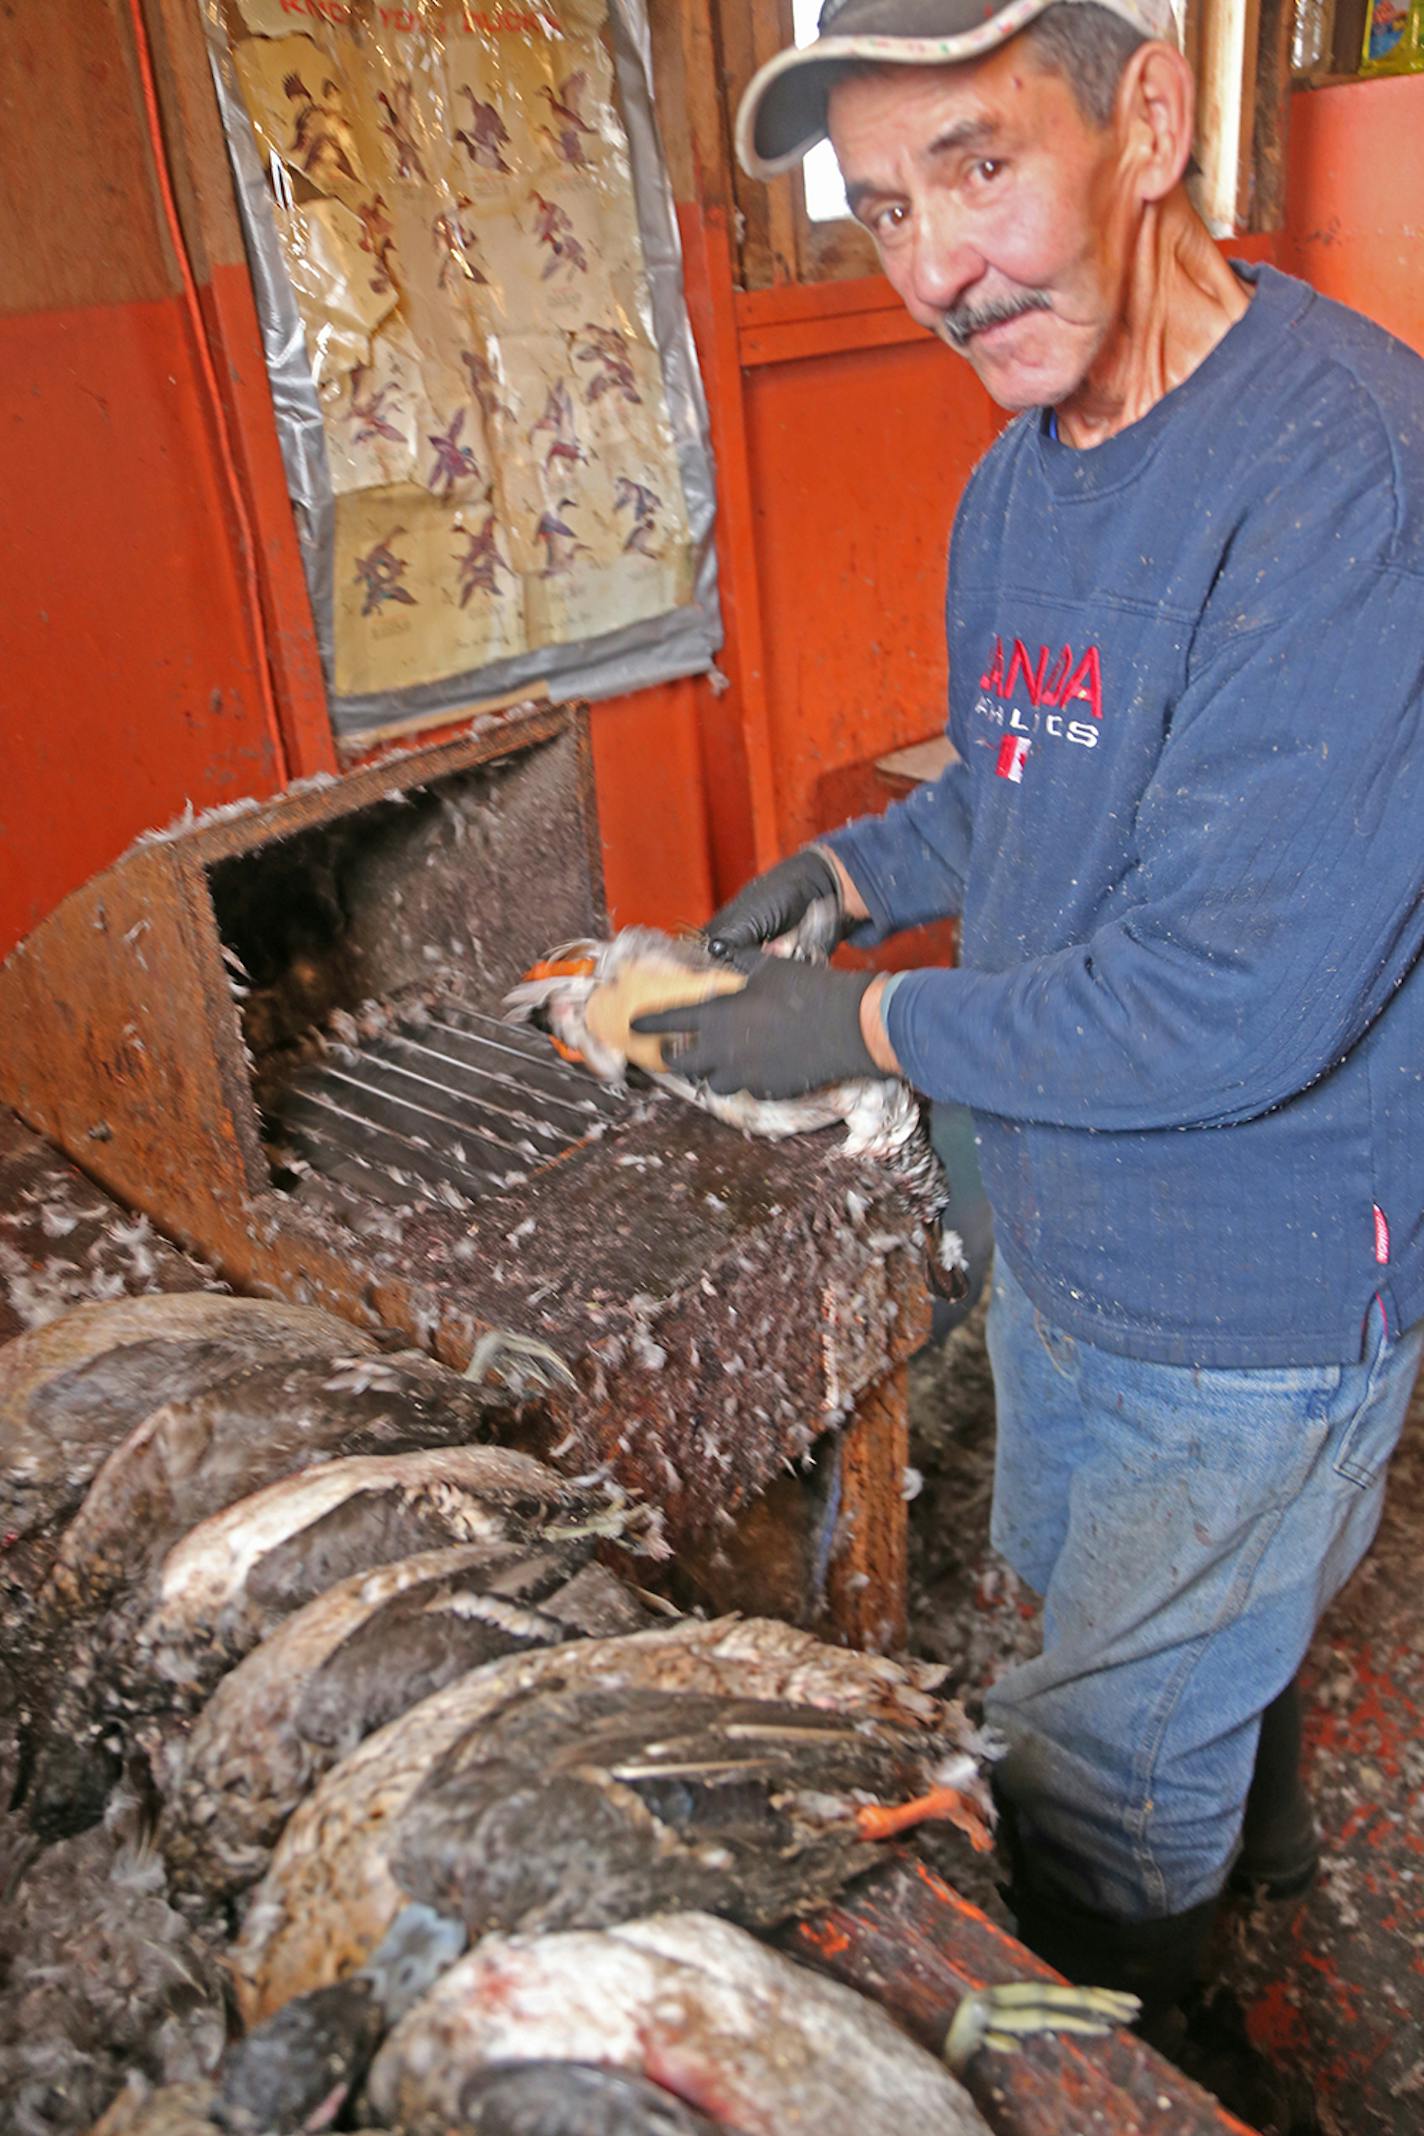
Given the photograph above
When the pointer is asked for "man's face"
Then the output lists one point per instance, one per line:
(999, 210)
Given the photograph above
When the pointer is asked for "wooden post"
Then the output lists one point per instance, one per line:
(779, 1561)
(867, 1580)
(1240, 52)
(1268, 137)
(902, 1937)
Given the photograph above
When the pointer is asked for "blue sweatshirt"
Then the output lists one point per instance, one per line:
(1186, 836)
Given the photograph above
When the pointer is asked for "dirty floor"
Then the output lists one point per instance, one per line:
(1333, 1984)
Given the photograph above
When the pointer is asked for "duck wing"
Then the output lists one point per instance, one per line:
(591, 1806)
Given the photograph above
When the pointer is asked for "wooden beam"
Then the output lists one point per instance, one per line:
(1268, 133)
(1226, 112)
(828, 1547)
(750, 33)
(903, 1937)
(867, 1579)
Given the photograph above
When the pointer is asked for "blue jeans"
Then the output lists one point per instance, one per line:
(1185, 1528)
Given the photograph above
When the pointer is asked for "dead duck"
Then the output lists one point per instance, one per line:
(72, 1389)
(159, 1649)
(250, 1328)
(587, 995)
(332, 1890)
(161, 1409)
(237, 1574)
(589, 1806)
(197, 1452)
(353, 1659)
(730, 2028)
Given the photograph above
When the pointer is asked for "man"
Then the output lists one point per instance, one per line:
(1186, 648)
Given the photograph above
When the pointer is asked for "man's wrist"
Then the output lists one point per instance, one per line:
(853, 905)
(872, 1026)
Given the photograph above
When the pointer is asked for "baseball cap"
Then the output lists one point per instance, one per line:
(784, 110)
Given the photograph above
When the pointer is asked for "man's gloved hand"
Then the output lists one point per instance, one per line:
(792, 1028)
(769, 905)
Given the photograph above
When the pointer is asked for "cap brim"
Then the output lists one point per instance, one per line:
(783, 113)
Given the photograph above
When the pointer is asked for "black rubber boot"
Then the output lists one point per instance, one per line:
(1280, 1849)
(1160, 1962)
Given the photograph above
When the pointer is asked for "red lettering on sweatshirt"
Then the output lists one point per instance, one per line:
(1070, 679)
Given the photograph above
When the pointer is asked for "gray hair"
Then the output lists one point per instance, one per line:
(1089, 47)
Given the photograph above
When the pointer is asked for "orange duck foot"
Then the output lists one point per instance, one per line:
(875, 1820)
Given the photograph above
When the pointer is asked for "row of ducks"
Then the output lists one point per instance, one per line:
(353, 1784)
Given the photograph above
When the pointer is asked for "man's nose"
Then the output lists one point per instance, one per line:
(943, 263)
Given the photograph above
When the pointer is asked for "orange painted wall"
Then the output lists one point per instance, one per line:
(857, 460)
(647, 768)
(1355, 228)
(127, 672)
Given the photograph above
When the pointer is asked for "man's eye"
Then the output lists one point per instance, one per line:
(885, 221)
(986, 170)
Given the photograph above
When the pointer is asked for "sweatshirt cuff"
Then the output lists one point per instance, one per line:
(849, 846)
(912, 1001)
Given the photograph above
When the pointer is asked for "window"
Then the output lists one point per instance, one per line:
(822, 191)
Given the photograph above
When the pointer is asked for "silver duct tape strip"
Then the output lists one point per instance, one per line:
(683, 641)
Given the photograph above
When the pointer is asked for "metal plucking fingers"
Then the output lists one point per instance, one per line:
(1003, 2017)
(452, 1108)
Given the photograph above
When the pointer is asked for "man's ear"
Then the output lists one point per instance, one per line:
(1156, 111)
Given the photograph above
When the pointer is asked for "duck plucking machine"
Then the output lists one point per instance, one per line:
(277, 1031)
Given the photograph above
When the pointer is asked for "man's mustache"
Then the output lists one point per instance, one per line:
(961, 322)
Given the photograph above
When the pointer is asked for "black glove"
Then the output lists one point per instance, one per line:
(770, 904)
(793, 1027)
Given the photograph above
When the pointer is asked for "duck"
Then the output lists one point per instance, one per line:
(354, 1658)
(593, 1805)
(587, 994)
(334, 1884)
(699, 2007)
(74, 1387)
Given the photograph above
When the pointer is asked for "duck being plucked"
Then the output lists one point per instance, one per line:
(588, 995)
